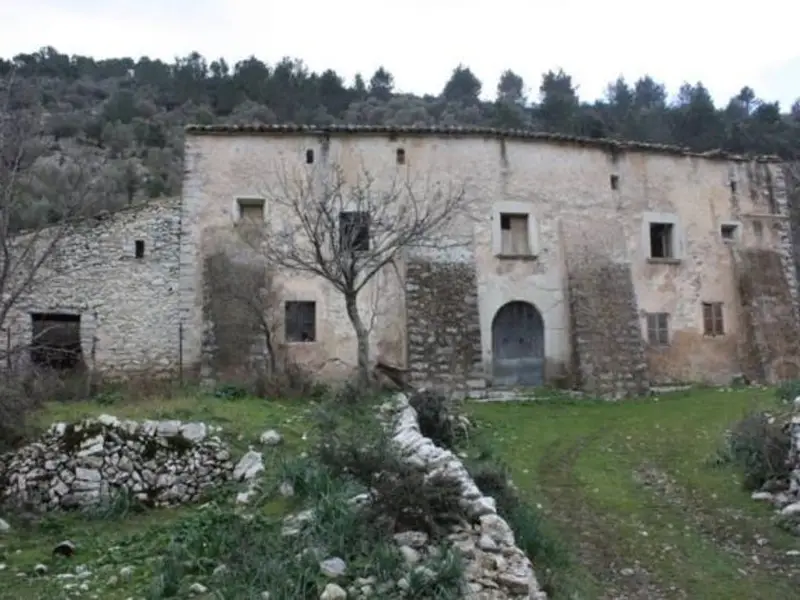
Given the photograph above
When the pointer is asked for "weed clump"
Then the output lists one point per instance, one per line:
(758, 445)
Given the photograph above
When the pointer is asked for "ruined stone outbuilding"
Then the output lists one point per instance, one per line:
(600, 264)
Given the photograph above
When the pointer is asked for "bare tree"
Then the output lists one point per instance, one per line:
(42, 194)
(350, 229)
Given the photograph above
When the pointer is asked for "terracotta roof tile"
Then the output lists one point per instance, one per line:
(609, 144)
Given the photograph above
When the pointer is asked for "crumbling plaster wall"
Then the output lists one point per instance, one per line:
(128, 306)
(222, 169)
(561, 187)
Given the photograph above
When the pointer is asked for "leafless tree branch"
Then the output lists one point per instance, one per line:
(347, 228)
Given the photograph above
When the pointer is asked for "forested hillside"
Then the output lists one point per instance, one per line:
(129, 112)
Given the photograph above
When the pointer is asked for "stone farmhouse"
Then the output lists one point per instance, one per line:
(595, 263)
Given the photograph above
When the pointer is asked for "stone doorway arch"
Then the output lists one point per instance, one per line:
(518, 345)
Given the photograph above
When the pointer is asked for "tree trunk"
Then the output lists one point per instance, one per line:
(362, 335)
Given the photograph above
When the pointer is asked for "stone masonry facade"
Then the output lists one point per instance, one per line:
(444, 336)
(127, 303)
(594, 244)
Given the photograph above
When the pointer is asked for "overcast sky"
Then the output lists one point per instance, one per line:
(420, 41)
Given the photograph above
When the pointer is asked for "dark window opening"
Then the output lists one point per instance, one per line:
(139, 248)
(401, 156)
(309, 156)
(712, 319)
(354, 231)
(733, 186)
(661, 240)
(301, 321)
(56, 342)
(728, 232)
(658, 329)
(514, 239)
(614, 181)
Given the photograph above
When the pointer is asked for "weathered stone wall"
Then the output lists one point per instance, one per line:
(608, 349)
(444, 336)
(550, 183)
(771, 347)
(128, 306)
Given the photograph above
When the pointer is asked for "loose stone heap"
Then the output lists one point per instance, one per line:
(74, 465)
(495, 567)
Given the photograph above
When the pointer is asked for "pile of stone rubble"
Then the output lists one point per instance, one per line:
(73, 465)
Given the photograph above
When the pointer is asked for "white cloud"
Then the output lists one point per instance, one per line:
(420, 41)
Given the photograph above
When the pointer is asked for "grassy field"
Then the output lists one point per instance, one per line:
(116, 537)
(629, 490)
(632, 491)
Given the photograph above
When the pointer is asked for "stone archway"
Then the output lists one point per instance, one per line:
(518, 345)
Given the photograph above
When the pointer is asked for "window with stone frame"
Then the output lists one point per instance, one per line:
(514, 234)
(662, 240)
(713, 324)
(251, 210)
(301, 321)
(658, 329)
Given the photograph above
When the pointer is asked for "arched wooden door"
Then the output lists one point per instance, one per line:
(518, 345)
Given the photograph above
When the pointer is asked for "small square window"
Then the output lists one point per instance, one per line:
(614, 181)
(400, 156)
(712, 319)
(514, 235)
(301, 321)
(728, 232)
(139, 248)
(354, 231)
(658, 329)
(309, 157)
(251, 210)
(662, 242)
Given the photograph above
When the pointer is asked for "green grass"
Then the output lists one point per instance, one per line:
(125, 537)
(632, 485)
(125, 551)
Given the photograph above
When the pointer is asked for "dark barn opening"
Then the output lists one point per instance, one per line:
(56, 341)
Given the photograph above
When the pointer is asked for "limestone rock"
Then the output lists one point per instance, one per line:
(271, 438)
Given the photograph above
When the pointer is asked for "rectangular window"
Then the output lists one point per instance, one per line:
(729, 232)
(354, 231)
(712, 319)
(251, 210)
(514, 235)
(662, 242)
(301, 321)
(658, 329)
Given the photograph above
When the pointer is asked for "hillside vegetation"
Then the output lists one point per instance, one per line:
(129, 113)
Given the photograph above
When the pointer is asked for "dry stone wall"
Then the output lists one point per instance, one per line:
(443, 324)
(75, 465)
(495, 567)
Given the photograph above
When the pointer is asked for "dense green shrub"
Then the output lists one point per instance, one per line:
(759, 446)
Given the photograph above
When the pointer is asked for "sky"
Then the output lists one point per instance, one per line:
(420, 41)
